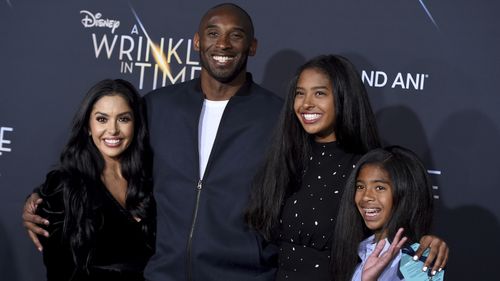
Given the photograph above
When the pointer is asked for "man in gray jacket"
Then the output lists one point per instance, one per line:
(208, 137)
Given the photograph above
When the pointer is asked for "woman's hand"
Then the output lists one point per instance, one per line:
(438, 253)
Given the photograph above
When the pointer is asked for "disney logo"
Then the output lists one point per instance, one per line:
(91, 20)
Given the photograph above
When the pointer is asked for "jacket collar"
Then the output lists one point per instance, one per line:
(244, 90)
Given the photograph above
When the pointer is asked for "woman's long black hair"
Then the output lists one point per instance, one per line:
(81, 165)
(355, 130)
(412, 206)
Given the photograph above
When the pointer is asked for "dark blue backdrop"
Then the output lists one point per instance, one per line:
(431, 69)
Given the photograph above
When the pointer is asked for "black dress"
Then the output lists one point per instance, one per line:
(308, 217)
(120, 246)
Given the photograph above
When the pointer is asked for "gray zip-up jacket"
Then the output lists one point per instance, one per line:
(201, 233)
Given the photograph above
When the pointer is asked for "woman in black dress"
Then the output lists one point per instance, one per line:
(326, 126)
(98, 200)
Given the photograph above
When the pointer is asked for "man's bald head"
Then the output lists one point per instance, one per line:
(246, 20)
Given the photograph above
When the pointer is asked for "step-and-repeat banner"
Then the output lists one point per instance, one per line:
(431, 69)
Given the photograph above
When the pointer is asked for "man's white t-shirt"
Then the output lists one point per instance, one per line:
(210, 117)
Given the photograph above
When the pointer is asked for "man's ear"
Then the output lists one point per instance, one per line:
(196, 42)
(253, 47)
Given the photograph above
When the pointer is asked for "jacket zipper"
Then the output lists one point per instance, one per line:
(199, 186)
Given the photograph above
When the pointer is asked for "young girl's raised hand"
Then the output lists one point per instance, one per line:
(376, 263)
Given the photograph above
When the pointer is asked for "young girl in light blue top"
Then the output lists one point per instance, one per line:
(388, 190)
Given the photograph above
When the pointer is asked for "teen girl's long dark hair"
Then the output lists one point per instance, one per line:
(355, 130)
(81, 165)
(412, 206)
